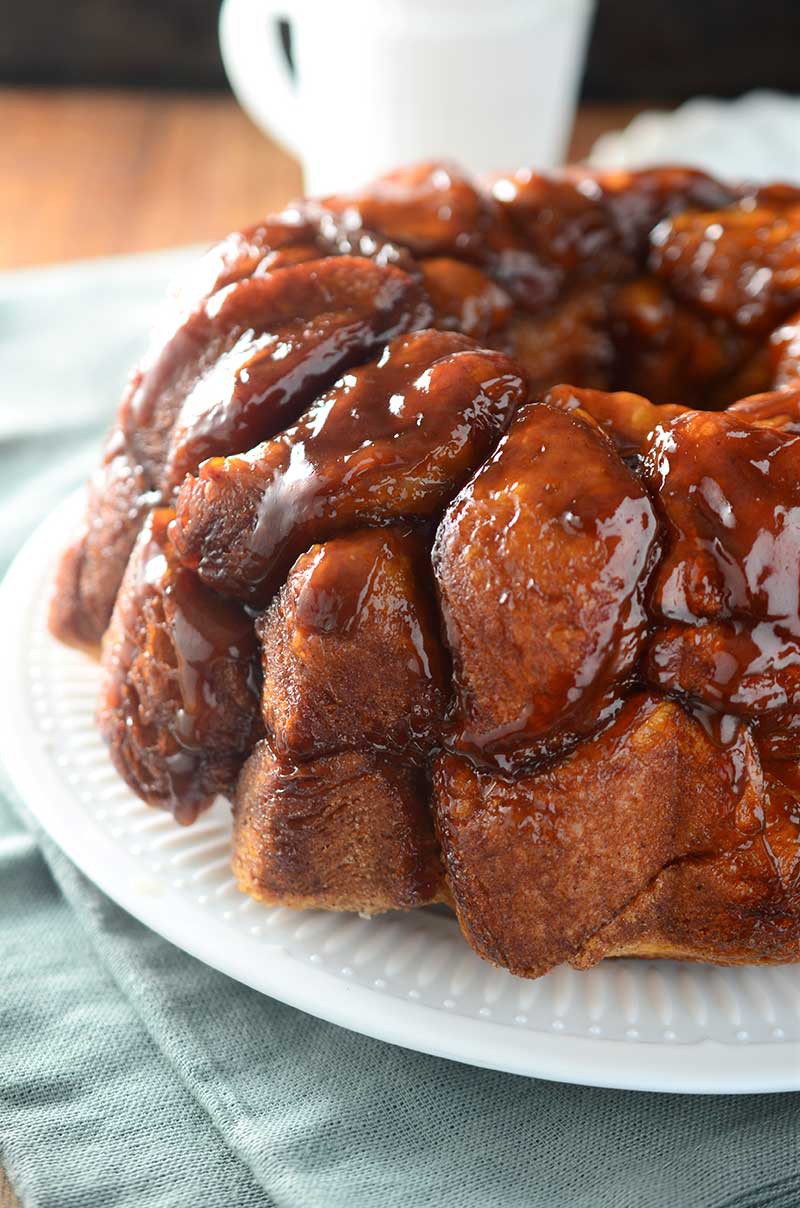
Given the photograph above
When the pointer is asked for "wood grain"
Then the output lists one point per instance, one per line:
(92, 173)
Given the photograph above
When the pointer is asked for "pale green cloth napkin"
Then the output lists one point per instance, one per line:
(130, 1074)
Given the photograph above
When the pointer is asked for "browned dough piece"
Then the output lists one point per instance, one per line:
(563, 232)
(90, 569)
(575, 226)
(351, 652)
(542, 563)
(741, 263)
(784, 353)
(568, 342)
(730, 493)
(179, 699)
(641, 199)
(778, 409)
(391, 441)
(628, 419)
(737, 907)
(350, 831)
(465, 299)
(674, 354)
(540, 865)
(429, 208)
(234, 370)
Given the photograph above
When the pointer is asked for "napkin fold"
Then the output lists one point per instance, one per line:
(130, 1074)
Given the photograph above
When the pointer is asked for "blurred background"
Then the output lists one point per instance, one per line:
(119, 132)
(666, 52)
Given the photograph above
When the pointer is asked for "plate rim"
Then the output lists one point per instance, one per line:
(704, 1067)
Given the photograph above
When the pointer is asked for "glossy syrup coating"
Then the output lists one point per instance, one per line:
(256, 353)
(303, 231)
(784, 350)
(560, 246)
(122, 490)
(730, 493)
(465, 299)
(741, 263)
(350, 610)
(748, 670)
(779, 409)
(432, 209)
(541, 865)
(571, 342)
(565, 222)
(617, 760)
(179, 699)
(682, 356)
(577, 225)
(628, 419)
(640, 200)
(268, 346)
(393, 440)
(91, 568)
(236, 369)
(542, 563)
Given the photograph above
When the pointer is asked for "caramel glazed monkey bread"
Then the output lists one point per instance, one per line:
(382, 548)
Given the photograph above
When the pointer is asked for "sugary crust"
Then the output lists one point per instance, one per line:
(349, 610)
(170, 649)
(343, 832)
(438, 474)
(649, 836)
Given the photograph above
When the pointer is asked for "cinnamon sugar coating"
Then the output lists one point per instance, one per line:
(452, 530)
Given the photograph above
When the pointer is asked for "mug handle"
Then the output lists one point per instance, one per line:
(256, 66)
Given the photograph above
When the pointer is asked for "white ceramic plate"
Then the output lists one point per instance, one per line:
(405, 978)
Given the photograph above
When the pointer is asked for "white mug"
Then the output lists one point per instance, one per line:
(490, 84)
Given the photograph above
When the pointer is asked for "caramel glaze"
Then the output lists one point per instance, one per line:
(618, 578)
(303, 231)
(391, 441)
(337, 795)
(784, 351)
(715, 568)
(746, 670)
(645, 829)
(330, 312)
(261, 349)
(429, 208)
(550, 269)
(252, 337)
(665, 348)
(570, 342)
(350, 609)
(774, 409)
(702, 714)
(743, 264)
(465, 299)
(179, 701)
(730, 493)
(550, 231)
(542, 563)
(626, 418)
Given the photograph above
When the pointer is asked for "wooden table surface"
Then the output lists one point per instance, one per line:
(92, 173)
(105, 172)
